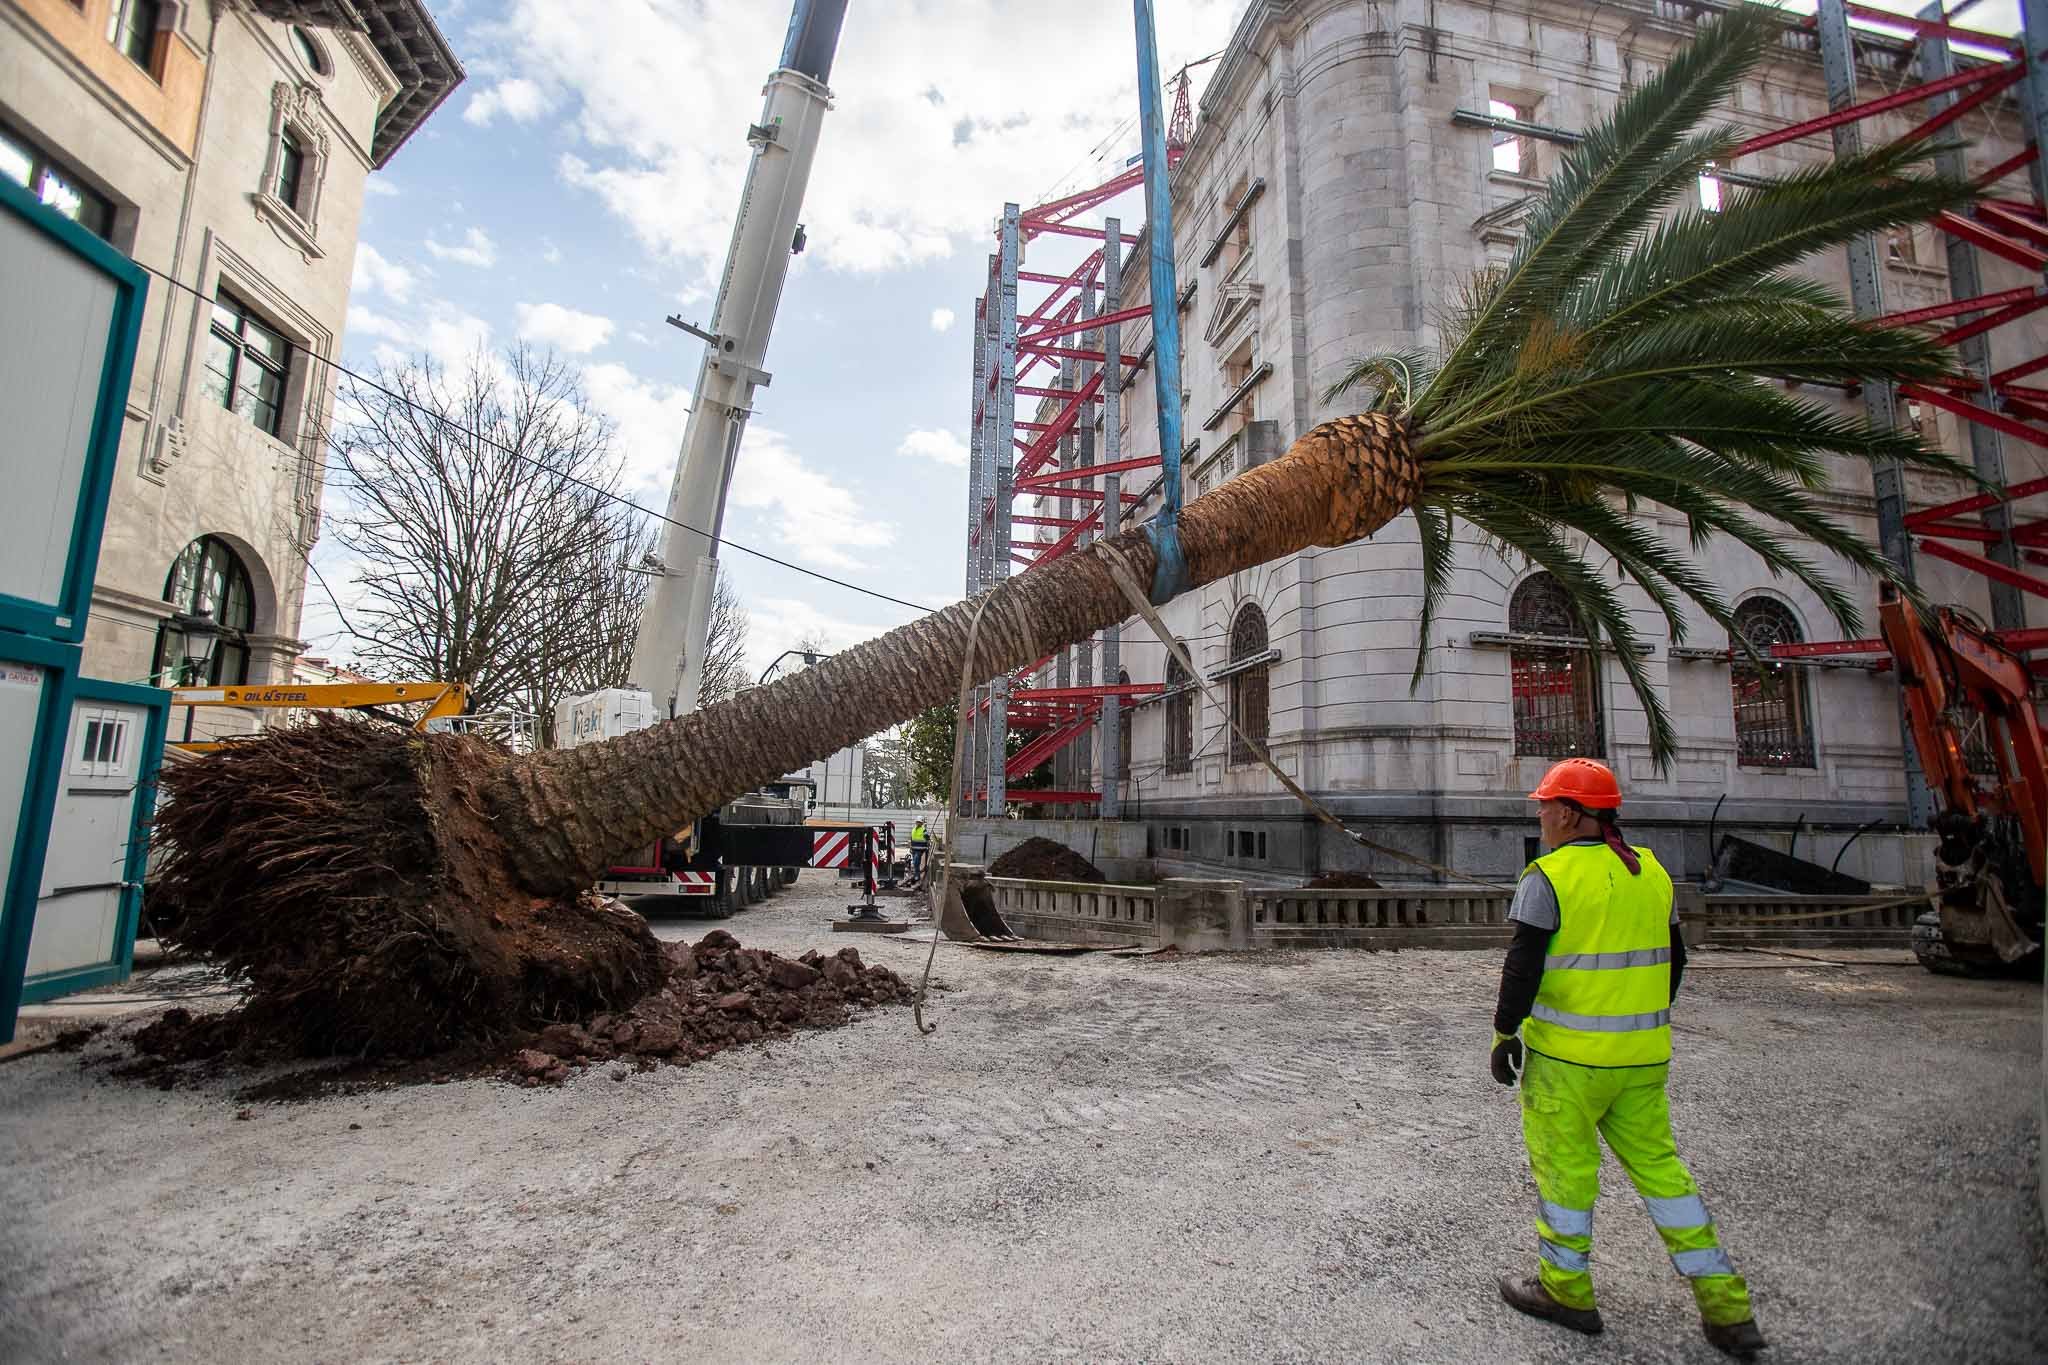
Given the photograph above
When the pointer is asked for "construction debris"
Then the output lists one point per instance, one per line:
(1340, 881)
(718, 994)
(1042, 860)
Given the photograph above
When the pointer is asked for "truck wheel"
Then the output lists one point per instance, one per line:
(789, 876)
(765, 883)
(743, 887)
(719, 904)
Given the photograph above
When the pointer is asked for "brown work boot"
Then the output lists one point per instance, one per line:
(1739, 1339)
(1529, 1296)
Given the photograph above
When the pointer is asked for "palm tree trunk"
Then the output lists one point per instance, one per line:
(565, 816)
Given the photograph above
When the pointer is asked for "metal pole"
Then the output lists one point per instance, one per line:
(1063, 657)
(1987, 454)
(1111, 729)
(1880, 401)
(1166, 360)
(977, 483)
(1084, 458)
(1002, 449)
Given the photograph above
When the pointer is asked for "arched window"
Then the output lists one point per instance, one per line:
(308, 48)
(1180, 718)
(207, 576)
(1773, 707)
(1556, 688)
(1248, 692)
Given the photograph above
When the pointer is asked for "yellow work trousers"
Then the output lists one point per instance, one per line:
(1566, 1110)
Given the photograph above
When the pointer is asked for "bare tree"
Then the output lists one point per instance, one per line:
(725, 647)
(481, 507)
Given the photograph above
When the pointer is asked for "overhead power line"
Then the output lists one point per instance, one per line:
(619, 498)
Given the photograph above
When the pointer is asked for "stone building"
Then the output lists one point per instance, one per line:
(225, 145)
(1336, 194)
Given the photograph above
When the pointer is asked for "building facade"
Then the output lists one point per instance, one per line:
(225, 147)
(1337, 194)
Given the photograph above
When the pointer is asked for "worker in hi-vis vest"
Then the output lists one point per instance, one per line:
(1585, 1021)
(920, 843)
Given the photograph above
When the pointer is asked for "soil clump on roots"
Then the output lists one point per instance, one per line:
(349, 875)
(1042, 860)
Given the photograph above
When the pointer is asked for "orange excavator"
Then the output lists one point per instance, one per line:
(1970, 703)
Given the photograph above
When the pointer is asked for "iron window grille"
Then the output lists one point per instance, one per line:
(1556, 690)
(247, 365)
(1773, 703)
(1249, 691)
(208, 576)
(1180, 719)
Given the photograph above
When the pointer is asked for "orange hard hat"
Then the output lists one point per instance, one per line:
(1583, 781)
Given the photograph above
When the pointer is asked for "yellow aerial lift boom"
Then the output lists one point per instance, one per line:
(444, 701)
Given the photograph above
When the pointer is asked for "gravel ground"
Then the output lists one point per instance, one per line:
(1262, 1156)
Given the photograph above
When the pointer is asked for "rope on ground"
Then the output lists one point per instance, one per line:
(1119, 571)
(963, 720)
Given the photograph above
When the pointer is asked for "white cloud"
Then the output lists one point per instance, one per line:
(908, 171)
(550, 253)
(942, 446)
(477, 249)
(649, 419)
(518, 99)
(942, 319)
(382, 185)
(446, 334)
(778, 623)
(812, 519)
(809, 518)
(566, 329)
(377, 274)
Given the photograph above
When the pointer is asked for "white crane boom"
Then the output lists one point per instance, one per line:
(668, 656)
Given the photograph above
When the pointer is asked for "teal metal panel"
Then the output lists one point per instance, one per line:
(38, 798)
(157, 707)
(64, 619)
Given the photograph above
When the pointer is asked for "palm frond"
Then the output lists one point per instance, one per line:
(1634, 354)
(1609, 185)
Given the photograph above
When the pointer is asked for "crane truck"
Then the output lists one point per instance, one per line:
(732, 858)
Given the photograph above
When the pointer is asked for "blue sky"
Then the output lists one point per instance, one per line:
(581, 186)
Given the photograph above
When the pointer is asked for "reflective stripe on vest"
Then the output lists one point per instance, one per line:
(1605, 998)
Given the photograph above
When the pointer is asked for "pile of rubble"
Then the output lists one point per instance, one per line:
(716, 995)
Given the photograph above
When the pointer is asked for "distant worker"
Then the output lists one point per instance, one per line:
(1594, 970)
(920, 842)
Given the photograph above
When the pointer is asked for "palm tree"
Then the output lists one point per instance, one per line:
(1632, 352)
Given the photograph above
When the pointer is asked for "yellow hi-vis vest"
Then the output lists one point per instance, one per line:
(1606, 993)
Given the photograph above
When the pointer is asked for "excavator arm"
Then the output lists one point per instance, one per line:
(1969, 703)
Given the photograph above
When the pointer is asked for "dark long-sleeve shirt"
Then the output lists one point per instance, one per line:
(1536, 916)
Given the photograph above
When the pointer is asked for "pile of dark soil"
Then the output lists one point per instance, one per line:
(1042, 860)
(1341, 881)
(718, 994)
(715, 995)
(370, 922)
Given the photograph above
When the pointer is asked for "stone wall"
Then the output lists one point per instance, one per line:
(1214, 915)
